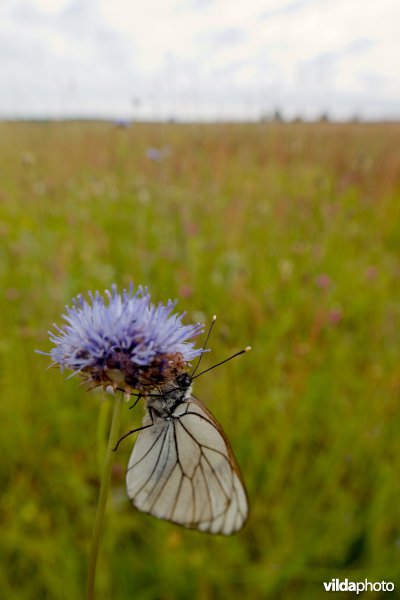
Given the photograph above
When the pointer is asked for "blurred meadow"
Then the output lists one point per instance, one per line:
(290, 233)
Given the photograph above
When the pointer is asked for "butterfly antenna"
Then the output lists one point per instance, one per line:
(247, 349)
(204, 345)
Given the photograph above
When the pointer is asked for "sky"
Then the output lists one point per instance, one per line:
(200, 59)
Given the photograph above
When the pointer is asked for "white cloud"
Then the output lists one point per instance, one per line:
(214, 58)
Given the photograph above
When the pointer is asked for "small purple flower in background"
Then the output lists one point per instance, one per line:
(371, 273)
(122, 123)
(123, 341)
(185, 291)
(335, 316)
(323, 281)
(158, 154)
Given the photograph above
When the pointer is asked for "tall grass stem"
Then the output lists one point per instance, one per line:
(101, 506)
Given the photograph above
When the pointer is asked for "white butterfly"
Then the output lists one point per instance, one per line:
(182, 467)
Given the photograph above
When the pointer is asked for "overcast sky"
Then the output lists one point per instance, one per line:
(200, 59)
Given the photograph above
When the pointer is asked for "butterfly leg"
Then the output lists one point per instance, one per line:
(135, 430)
(136, 401)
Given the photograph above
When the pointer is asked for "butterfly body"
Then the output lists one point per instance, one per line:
(182, 467)
(162, 404)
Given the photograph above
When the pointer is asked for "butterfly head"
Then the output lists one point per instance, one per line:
(184, 381)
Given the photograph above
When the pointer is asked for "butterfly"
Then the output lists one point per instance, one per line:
(182, 468)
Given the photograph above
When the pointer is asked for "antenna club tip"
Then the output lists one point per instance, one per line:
(247, 349)
(214, 318)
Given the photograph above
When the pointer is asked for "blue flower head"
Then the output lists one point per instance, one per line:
(124, 340)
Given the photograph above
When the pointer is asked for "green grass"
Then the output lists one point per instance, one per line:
(291, 235)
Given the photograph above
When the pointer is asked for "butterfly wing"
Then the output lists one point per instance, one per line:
(183, 470)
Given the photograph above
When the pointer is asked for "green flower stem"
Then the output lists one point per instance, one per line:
(101, 506)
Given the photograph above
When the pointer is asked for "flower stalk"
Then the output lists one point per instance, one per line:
(102, 502)
(124, 343)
